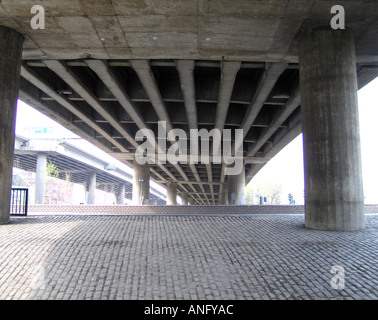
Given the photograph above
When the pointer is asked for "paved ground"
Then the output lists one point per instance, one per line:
(183, 257)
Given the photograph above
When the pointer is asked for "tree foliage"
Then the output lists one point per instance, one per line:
(271, 190)
(52, 170)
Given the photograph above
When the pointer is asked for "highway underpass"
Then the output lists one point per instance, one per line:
(272, 69)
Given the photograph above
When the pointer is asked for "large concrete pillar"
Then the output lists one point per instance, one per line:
(236, 184)
(40, 179)
(331, 136)
(92, 188)
(171, 193)
(121, 194)
(10, 63)
(141, 185)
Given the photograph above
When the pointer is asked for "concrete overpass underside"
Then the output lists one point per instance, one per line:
(105, 69)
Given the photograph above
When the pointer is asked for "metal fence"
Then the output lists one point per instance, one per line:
(19, 202)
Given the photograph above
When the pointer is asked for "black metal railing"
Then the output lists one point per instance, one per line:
(19, 202)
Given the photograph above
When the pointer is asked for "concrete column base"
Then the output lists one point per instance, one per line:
(92, 188)
(141, 185)
(171, 193)
(121, 194)
(224, 195)
(236, 185)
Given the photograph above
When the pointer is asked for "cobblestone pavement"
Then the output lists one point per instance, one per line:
(184, 257)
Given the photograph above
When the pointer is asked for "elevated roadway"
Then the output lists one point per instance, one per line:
(78, 166)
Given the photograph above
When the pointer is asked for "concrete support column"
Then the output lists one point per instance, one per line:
(121, 194)
(40, 179)
(171, 193)
(10, 63)
(224, 195)
(141, 184)
(236, 184)
(331, 137)
(184, 199)
(85, 192)
(92, 188)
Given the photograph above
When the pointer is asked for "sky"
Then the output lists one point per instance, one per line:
(285, 168)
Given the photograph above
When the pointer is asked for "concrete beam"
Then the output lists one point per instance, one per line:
(106, 75)
(229, 71)
(228, 76)
(201, 159)
(75, 83)
(47, 88)
(185, 69)
(278, 120)
(146, 77)
(266, 84)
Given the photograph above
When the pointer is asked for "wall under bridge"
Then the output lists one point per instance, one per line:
(174, 210)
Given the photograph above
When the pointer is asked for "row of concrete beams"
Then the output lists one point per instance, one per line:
(58, 115)
(105, 73)
(143, 69)
(185, 69)
(32, 77)
(270, 76)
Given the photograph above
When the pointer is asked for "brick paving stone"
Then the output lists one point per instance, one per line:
(183, 257)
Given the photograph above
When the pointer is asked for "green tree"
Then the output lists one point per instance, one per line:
(249, 195)
(52, 170)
